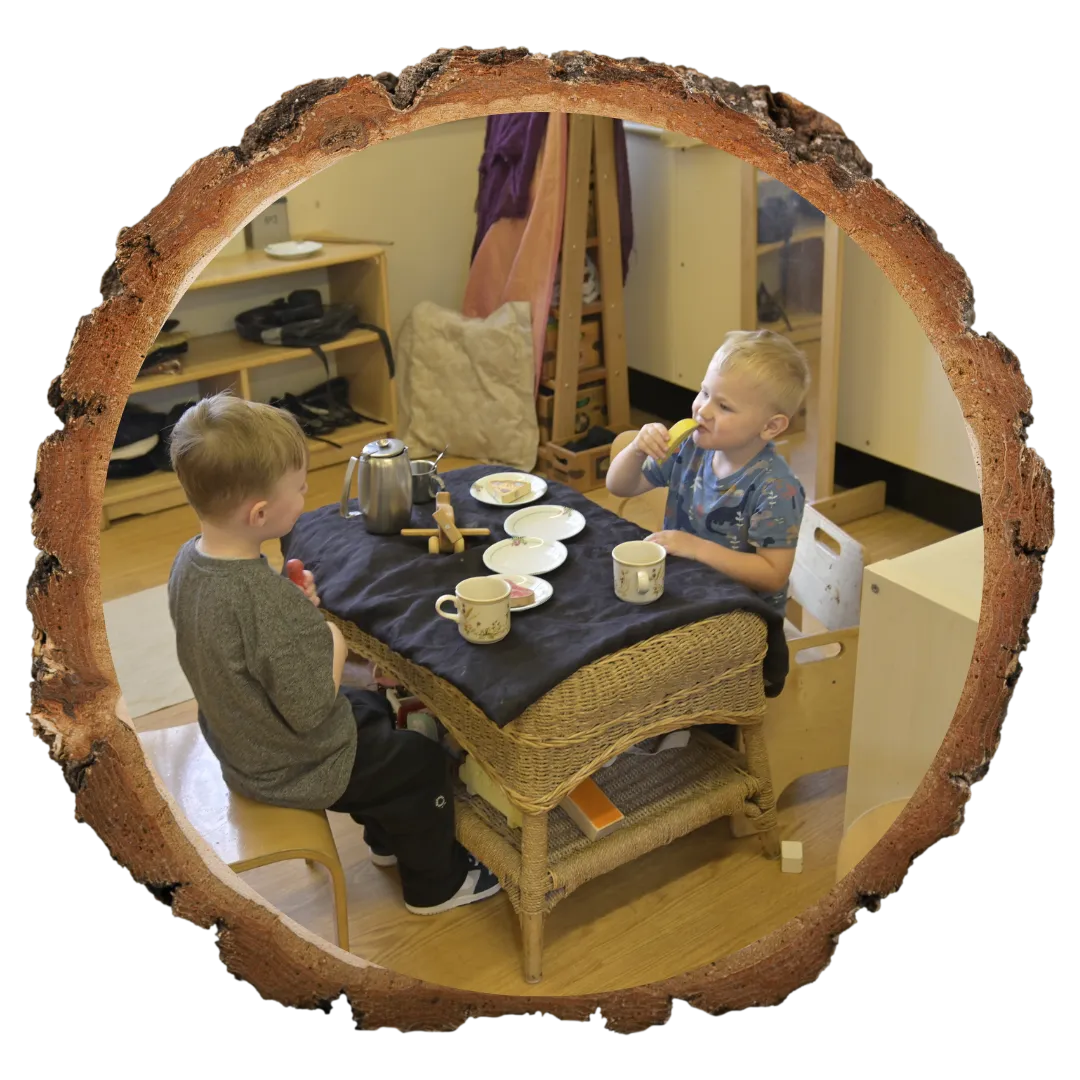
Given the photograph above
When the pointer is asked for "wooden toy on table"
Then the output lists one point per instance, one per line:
(447, 537)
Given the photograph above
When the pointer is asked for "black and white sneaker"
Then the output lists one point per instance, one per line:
(383, 860)
(479, 884)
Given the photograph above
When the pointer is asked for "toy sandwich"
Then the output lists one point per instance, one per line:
(508, 491)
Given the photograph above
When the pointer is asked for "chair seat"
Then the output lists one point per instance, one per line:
(243, 833)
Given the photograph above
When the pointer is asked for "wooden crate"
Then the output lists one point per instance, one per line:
(590, 409)
(591, 354)
(584, 470)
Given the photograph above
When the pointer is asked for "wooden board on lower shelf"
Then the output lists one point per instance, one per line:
(161, 490)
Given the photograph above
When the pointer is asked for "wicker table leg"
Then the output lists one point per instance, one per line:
(757, 763)
(534, 858)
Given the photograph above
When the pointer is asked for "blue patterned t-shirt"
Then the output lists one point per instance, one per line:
(757, 506)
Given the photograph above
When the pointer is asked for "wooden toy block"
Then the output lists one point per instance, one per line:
(447, 537)
(477, 782)
(592, 811)
(791, 856)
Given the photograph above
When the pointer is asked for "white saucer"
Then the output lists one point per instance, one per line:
(538, 484)
(542, 590)
(548, 522)
(525, 555)
(293, 249)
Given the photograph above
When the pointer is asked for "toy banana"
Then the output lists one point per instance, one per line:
(679, 432)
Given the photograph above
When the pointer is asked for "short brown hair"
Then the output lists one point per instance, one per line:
(226, 449)
(772, 361)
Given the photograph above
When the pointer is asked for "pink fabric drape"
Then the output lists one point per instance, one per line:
(518, 257)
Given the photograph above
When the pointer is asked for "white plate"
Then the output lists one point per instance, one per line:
(538, 484)
(548, 522)
(542, 589)
(293, 249)
(525, 555)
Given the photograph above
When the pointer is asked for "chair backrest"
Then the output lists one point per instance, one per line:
(622, 441)
(826, 580)
(645, 510)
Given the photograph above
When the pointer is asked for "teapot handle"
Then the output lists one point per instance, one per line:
(345, 511)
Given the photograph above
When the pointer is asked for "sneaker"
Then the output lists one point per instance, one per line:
(479, 884)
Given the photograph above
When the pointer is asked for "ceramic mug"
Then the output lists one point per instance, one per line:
(425, 481)
(639, 571)
(483, 609)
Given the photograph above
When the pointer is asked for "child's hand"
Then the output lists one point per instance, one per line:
(676, 542)
(652, 440)
(302, 579)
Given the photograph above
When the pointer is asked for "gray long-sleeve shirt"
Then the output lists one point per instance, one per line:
(259, 657)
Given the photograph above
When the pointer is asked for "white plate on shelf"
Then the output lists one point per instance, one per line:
(548, 522)
(525, 555)
(542, 589)
(537, 483)
(293, 249)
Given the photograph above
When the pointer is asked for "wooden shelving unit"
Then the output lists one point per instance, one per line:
(215, 362)
(813, 254)
(587, 385)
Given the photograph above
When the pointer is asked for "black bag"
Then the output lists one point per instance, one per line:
(776, 220)
(301, 320)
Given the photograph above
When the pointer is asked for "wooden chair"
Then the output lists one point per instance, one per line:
(645, 510)
(808, 727)
(244, 834)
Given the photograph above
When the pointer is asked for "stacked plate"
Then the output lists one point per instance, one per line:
(536, 533)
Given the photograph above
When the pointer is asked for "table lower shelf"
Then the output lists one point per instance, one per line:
(662, 798)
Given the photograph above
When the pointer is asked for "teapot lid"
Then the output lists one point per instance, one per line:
(384, 448)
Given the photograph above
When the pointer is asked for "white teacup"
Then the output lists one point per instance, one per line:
(639, 571)
(483, 609)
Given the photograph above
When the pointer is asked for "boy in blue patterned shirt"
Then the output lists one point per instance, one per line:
(733, 503)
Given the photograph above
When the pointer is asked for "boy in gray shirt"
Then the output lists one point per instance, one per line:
(266, 667)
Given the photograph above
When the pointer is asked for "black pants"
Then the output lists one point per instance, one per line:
(400, 792)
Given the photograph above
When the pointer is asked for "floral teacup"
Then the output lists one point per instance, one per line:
(639, 571)
(483, 609)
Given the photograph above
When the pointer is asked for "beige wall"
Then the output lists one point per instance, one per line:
(683, 294)
(895, 401)
(417, 190)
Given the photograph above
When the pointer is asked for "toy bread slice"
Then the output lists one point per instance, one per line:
(507, 491)
(679, 432)
(520, 595)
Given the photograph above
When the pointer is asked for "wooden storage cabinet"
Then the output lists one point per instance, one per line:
(918, 619)
(356, 274)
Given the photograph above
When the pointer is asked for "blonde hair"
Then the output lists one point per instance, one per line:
(771, 361)
(226, 449)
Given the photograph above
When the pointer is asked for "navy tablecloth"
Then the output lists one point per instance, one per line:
(387, 586)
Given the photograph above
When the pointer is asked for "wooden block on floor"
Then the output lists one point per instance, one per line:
(791, 856)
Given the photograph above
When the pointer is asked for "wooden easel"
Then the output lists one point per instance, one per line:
(590, 158)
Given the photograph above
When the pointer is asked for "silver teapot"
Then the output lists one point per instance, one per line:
(383, 487)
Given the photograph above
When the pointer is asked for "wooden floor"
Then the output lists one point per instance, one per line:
(682, 906)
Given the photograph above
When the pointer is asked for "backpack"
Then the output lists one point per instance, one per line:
(301, 320)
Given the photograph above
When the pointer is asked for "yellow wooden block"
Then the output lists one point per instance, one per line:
(479, 783)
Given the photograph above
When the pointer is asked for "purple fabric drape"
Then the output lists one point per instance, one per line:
(511, 150)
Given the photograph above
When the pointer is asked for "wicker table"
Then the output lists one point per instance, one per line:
(704, 672)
